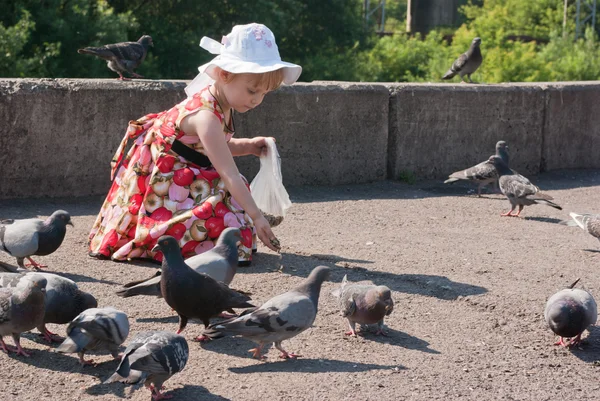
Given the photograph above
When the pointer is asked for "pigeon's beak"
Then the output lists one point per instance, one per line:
(70, 223)
(155, 248)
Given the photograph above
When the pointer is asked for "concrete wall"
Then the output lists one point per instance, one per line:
(57, 136)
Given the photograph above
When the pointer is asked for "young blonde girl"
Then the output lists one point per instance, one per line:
(179, 178)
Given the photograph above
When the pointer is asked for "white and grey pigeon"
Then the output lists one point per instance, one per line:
(122, 57)
(219, 263)
(96, 329)
(364, 304)
(27, 237)
(587, 222)
(569, 312)
(467, 63)
(154, 356)
(518, 189)
(483, 173)
(280, 318)
(21, 309)
(64, 300)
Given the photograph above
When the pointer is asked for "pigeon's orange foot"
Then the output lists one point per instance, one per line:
(157, 395)
(51, 337)
(509, 214)
(256, 353)
(287, 355)
(34, 264)
(225, 315)
(380, 332)
(202, 339)
(21, 351)
(350, 333)
(84, 362)
(133, 74)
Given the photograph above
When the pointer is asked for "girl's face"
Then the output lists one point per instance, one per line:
(243, 92)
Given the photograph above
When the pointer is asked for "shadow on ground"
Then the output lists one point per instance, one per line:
(312, 366)
(423, 284)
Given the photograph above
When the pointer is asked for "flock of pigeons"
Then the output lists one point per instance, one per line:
(570, 311)
(196, 288)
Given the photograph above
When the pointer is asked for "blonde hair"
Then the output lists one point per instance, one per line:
(270, 80)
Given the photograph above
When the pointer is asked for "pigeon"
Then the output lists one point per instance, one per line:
(27, 237)
(483, 173)
(64, 300)
(364, 304)
(569, 312)
(280, 318)
(122, 57)
(467, 63)
(518, 189)
(220, 263)
(155, 356)
(190, 294)
(96, 329)
(21, 309)
(587, 222)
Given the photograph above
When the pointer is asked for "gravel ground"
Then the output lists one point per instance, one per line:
(469, 288)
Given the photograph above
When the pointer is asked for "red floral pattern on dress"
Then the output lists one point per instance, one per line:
(157, 192)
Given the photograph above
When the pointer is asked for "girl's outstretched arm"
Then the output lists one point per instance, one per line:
(208, 128)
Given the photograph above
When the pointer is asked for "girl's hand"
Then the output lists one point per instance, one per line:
(263, 230)
(257, 146)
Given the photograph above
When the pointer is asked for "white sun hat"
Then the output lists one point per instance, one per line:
(248, 48)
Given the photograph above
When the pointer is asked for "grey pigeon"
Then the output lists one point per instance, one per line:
(155, 356)
(569, 312)
(193, 295)
(364, 304)
(64, 300)
(21, 309)
(587, 222)
(518, 189)
(467, 63)
(96, 329)
(122, 57)
(220, 263)
(27, 237)
(280, 318)
(483, 173)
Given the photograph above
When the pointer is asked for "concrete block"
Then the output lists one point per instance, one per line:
(436, 129)
(327, 133)
(572, 126)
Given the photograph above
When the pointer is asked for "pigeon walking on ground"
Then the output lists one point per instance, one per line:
(467, 63)
(280, 318)
(96, 329)
(27, 237)
(587, 222)
(220, 263)
(190, 294)
(364, 304)
(64, 300)
(483, 173)
(569, 312)
(122, 57)
(518, 189)
(154, 356)
(21, 309)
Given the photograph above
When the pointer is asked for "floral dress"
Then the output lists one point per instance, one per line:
(156, 192)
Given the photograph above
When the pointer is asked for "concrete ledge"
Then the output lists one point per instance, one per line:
(57, 136)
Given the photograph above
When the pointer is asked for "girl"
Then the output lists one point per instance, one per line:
(179, 178)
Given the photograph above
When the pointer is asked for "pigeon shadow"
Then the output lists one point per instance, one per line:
(80, 278)
(394, 337)
(550, 220)
(589, 348)
(592, 250)
(421, 284)
(313, 366)
(166, 319)
(122, 390)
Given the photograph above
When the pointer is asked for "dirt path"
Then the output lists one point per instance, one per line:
(469, 287)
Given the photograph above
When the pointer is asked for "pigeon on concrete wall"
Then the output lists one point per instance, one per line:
(220, 263)
(364, 304)
(467, 63)
(96, 329)
(280, 318)
(122, 57)
(154, 356)
(483, 173)
(193, 295)
(64, 300)
(569, 312)
(21, 309)
(27, 237)
(518, 189)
